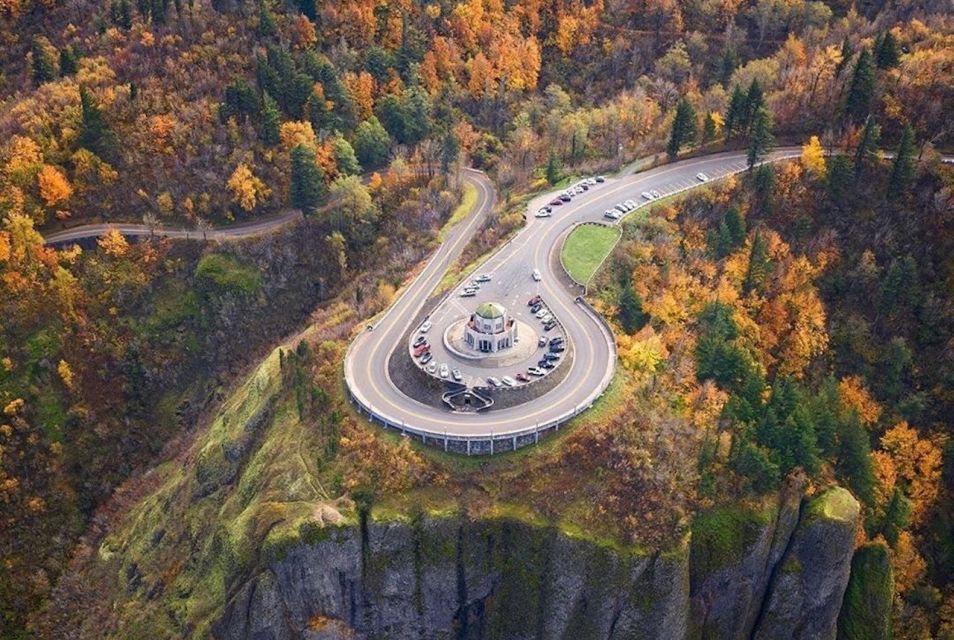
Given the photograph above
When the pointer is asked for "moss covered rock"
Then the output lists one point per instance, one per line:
(866, 609)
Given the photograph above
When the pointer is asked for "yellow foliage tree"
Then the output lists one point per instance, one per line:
(248, 190)
(296, 132)
(918, 461)
(55, 189)
(855, 396)
(813, 156)
(113, 244)
(907, 564)
(66, 373)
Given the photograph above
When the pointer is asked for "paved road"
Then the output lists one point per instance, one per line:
(591, 369)
(130, 229)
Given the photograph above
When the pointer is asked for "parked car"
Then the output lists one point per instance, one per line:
(542, 342)
(536, 275)
(432, 367)
(556, 340)
(426, 326)
(419, 341)
(547, 318)
(544, 213)
(566, 197)
(557, 348)
(549, 325)
(701, 177)
(484, 277)
(541, 312)
(468, 293)
(583, 186)
(421, 349)
(457, 375)
(545, 364)
(536, 307)
(536, 371)
(656, 194)
(556, 202)
(591, 181)
(600, 179)
(534, 300)
(445, 370)
(510, 382)
(646, 195)
(493, 382)
(630, 203)
(621, 208)
(522, 377)
(427, 357)
(552, 356)
(611, 214)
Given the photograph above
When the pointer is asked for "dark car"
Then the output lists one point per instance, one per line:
(557, 348)
(556, 340)
(600, 179)
(536, 307)
(545, 364)
(420, 340)
(549, 325)
(427, 358)
(565, 198)
(534, 300)
(552, 356)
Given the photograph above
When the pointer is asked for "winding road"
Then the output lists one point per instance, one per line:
(533, 247)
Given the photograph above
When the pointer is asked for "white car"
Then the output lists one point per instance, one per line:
(458, 376)
(445, 370)
(432, 367)
(542, 312)
(510, 382)
(493, 382)
(536, 275)
(536, 371)
(590, 181)
(543, 213)
(630, 203)
(468, 293)
(646, 195)
(656, 194)
(547, 318)
(701, 177)
(612, 214)
(484, 277)
(426, 326)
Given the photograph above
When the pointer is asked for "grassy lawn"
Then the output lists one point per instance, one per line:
(586, 248)
(467, 201)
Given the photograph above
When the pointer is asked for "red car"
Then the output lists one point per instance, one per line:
(421, 350)
(534, 300)
(522, 377)
(556, 202)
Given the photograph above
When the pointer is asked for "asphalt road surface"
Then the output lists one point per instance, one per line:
(594, 361)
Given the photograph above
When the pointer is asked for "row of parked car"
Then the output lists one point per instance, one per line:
(471, 288)
(617, 212)
(568, 194)
(422, 351)
(540, 311)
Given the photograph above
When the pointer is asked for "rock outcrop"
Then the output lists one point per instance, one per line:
(772, 573)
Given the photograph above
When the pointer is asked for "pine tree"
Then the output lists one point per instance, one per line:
(903, 168)
(730, 60)
(846, 52)
(758, 264)
(708, 128)
(734, 114)
(867, 145)
(631, 314)
(68, 61)
(861, 91)
(120, 13)
(271, 121)
(897, 516)
(372, 143)
(761, 136)
(44, 60)
(735, 224)
(683, 128)
(754, 101)
(854, 460)
(266, 21)
(94, 134)
(554, 169)
(307, 185)
(887, 54)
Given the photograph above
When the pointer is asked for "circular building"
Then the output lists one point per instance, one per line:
(490, 328)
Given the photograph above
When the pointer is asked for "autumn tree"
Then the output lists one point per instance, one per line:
(55, 189)
(813, 156)
(247, 190)
(683, 128)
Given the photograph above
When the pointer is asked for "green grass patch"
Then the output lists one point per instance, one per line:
(586, 248)
(467, 201)
(228, 274)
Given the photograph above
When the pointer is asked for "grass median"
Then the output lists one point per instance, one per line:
(586, 248)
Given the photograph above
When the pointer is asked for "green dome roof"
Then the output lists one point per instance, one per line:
(490, 310)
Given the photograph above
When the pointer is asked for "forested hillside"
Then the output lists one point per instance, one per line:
(797, 319)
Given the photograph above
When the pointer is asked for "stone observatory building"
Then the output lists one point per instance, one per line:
(490, 328)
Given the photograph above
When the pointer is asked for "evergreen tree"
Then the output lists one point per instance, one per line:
(761, 136)
(307, 185)
(887, 54)
(240, 100)
(708, 128)
(554, 169)
(735, 224)
(861, 90)
(271, 121)
(840, 178)
(734, 114)
(854, 460)
(266, 21)
(94, 134)
(631, 315)
(45, 58)
(730, 60)
(752, 463)
(754, 101)
(68, 61)
(846, 52)
(683, 128)
(345, 158)
(903, 168)
(450, 150)
(896, 518)
(758, 264)
(120, 13)
(867, 145)
(371, 143)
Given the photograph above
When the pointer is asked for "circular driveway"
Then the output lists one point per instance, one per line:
(594, 352)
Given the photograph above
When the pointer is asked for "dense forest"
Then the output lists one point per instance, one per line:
(796, 319)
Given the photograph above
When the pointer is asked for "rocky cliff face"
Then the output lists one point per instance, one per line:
(781, 572)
